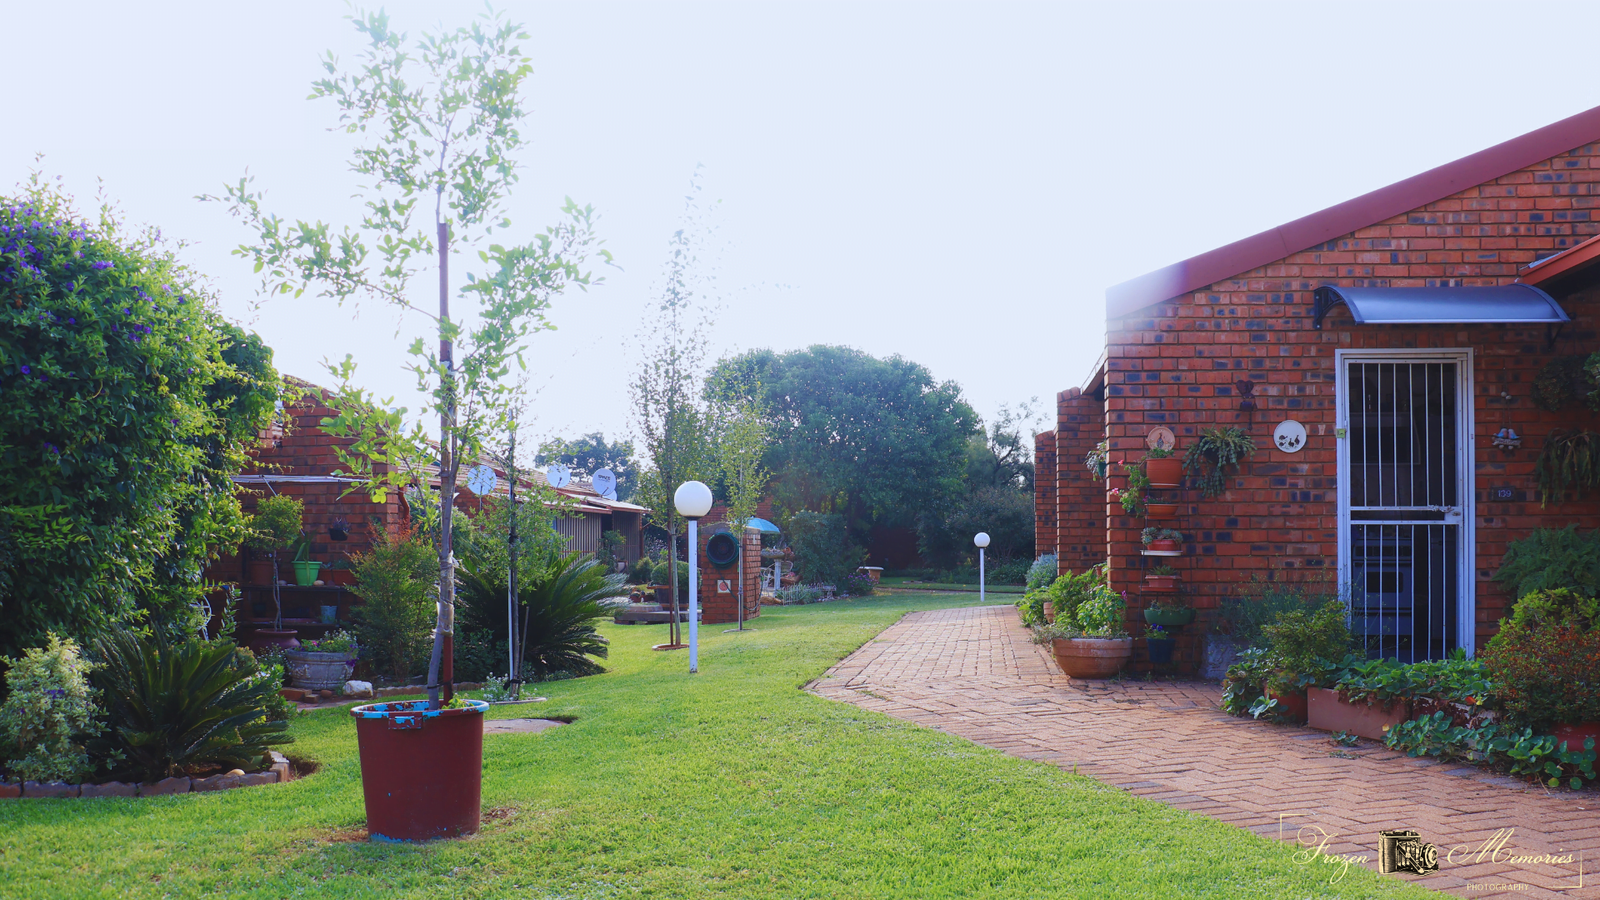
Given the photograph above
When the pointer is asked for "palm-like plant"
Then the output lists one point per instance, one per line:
(186, 707)
(558, 611)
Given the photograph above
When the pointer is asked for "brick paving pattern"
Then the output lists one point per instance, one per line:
(974, 673)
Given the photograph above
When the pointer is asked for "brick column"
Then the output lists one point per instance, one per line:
(1080, 499)
(1044, 493)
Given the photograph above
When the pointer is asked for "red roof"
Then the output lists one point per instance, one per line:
(1292, 237)
(1572, 259)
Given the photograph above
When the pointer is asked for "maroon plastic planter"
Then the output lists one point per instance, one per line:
(421, 769)
(1571, 735)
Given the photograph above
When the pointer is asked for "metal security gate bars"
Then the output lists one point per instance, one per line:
(1404, 502)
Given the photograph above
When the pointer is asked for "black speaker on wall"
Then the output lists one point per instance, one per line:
(722, 550)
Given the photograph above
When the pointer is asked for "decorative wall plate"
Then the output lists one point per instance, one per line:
(1161, 436)
(1290, 436)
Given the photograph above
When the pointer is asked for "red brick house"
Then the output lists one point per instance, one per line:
(300, 461)
(1403, 330)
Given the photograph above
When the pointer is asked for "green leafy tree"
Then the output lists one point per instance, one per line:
(437, 121)
(874, 440)
(395, 581)
(669, 411)
(126, 406)
(590, 453)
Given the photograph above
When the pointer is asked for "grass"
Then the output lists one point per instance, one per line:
(732, 783)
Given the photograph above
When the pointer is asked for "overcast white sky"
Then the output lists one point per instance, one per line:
(956, 183)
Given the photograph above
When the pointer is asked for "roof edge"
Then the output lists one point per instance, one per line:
(1343, 218)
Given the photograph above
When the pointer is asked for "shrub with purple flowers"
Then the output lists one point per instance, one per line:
(123, 416)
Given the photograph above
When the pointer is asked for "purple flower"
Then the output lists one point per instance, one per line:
(71, 287)
(51, 447)
(57, 693)
(72, 321)
(128, 312)
(103, 264)
(26, 370)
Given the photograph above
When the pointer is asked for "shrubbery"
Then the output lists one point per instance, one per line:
(49, 710)
(823, 551)
(397, 581)
(126, 403)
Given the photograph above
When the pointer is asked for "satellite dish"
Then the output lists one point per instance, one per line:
(558, 475)
(604, 482)
(481, 480)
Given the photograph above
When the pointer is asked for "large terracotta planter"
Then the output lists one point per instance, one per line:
(1328, 711)
(1573, 734)
(264, 639)
(1092, 657)
(261, 571)
(421, 769)
(1166, 472)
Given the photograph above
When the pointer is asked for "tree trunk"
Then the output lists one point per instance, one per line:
(441, 665)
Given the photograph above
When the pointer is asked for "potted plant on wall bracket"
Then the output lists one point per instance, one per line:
(305, 568)
(1098, 460)
(1131, 497)
(1162, 541)
(1213, 453)
(1162, 468)
(1161, 578)
(1159, 642)
(1168, 612)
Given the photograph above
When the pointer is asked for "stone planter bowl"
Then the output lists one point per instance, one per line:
(317, 671)
(1092, 657)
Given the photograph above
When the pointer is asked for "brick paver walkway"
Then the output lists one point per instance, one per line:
(974, 673)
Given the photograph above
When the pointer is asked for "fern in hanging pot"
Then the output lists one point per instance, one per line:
(1213, 452)
(1569, 462)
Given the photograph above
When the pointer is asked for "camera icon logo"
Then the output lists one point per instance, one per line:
(1404, 851)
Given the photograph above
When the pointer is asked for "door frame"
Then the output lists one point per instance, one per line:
(1466, 470)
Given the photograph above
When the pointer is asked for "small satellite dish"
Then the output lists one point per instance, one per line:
(558, 475)
(481, 480)
(604, 482)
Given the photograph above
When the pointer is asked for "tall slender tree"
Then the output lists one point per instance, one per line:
(668, 408)
(437, 121)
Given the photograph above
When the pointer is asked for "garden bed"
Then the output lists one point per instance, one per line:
(280, 772)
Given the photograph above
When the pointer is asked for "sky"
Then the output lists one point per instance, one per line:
(954, 183)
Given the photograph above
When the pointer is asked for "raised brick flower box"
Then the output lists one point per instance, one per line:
(1328, 711)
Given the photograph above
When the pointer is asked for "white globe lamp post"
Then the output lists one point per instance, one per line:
(693, 500)
(981, 539)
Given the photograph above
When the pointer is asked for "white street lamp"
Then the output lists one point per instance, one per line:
(693, 500)
(982, 540)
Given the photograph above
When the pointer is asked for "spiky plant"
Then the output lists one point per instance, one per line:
(182, 708)
(557, 609)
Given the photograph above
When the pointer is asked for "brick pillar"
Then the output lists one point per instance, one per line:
(1080, 499)
(1044, 493)
(719, 606)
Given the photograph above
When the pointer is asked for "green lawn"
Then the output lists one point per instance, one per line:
(732, 783)
(912, 584)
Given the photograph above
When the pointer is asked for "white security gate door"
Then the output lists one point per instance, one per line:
(1405, 500)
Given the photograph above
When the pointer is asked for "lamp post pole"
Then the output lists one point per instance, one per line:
(693, 500)
(981, 539)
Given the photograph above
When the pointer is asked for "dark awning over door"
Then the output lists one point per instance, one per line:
(1508, 303)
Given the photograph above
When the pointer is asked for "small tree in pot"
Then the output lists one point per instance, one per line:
(275, 525)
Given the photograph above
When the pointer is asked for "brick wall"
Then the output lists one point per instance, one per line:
(1080, 513)
(719, 606)
(1175, 364)
(1044, 493)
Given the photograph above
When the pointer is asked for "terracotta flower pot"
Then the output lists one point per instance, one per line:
(1166, 472)
(1166, 546)
(1049, 611)
(1161, 582)
(262, 639)
(1572, 734)
(261, 571)
(1161, 511)
(1092, 657)
(1326, 710)
(1293, 705)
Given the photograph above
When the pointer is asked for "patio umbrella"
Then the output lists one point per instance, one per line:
(762, 525)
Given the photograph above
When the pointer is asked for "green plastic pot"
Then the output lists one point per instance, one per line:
(305, 572)
(1169, 618)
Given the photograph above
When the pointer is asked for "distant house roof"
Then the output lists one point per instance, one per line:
(1308, 231)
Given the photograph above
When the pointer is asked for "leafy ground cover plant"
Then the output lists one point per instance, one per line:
(1552, 558)
(181, 708)
(48, 712)
(1258, 603)
(1518, 751)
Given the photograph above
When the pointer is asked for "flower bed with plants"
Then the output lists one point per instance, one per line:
(139, 716)
(1529, 706)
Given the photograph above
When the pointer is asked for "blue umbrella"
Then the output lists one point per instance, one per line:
(762, 525)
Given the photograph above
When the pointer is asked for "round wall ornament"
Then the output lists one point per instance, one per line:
(1161, 437)
(1290, 436)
